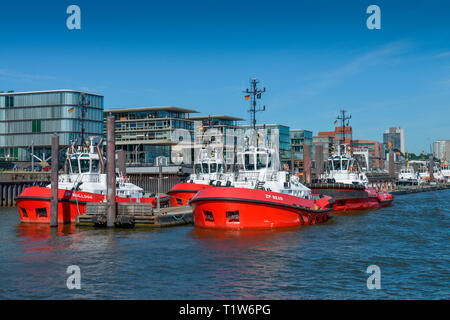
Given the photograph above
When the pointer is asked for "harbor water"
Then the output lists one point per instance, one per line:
(408, 241)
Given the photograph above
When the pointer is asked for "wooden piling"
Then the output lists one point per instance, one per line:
(121, 162)
(10, 195)
(158, 202)
(292, 160)
(391, 164)
(111, 171)
(15, 193)
(318, 155)
(54, 182)
(430, 169)
(307, 161)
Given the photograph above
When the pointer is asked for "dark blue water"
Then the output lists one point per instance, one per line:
(409, 241)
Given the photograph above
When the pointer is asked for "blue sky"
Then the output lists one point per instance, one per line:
(314, 57)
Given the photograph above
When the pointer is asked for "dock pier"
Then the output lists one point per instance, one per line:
(416, 189)
(13, 183)
(130, 215)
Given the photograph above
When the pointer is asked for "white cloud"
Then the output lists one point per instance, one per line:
(443, 54)
(24, 76)
(318, 83)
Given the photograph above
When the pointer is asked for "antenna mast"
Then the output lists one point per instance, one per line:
(343, 118)
(252, 94)
(83, 104)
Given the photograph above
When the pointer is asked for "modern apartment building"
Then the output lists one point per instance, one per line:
(441, 150)
(326, 142)
(339, 136)
(30, 118)
(298, 139)
(396, 136)
(220, 128)
(146, 133)
(375, 149)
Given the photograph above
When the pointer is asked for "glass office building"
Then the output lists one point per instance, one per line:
(279, 134)
(396, 136)
(30, 118)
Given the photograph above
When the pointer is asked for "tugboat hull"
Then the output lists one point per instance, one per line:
(352, 197)
(34, 204)
(182, 193)
(240, 208)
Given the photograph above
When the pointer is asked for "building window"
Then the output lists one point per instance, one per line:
(9, 101)
(36, 126)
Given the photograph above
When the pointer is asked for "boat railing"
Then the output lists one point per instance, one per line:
(252, 175)
(90, 177)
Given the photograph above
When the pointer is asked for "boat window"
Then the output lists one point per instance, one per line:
(344, 164)
(84, 165)
(205, 168)
(74, 165)
(220, 168)
(330, 165)
(198, 169)
(213, 167)
(41, 212)
(95, 165)
(249, 162)
(337, 164)
(261, 161)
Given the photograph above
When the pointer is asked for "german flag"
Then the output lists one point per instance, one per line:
(247, 97)
(71, 110)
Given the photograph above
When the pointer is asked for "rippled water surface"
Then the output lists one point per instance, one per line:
(409, 241)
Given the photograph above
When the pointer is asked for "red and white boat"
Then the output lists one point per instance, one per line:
(347, 184)
(445, 171)
(258, 196)
(208, 169)
(243, 208)
(85, 182)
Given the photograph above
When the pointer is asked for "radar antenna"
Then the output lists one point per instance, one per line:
(253, 94)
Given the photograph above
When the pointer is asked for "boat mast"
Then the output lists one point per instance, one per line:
(252, 94)
(342, 117)
(83, 104)
(407, 160)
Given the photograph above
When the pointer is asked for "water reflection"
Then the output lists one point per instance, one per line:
(37, 237)
(247, 259)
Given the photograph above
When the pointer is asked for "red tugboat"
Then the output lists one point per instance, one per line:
(242, 208)
(259, 196)
(346, 182)
(208, 169)
(86, 182)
